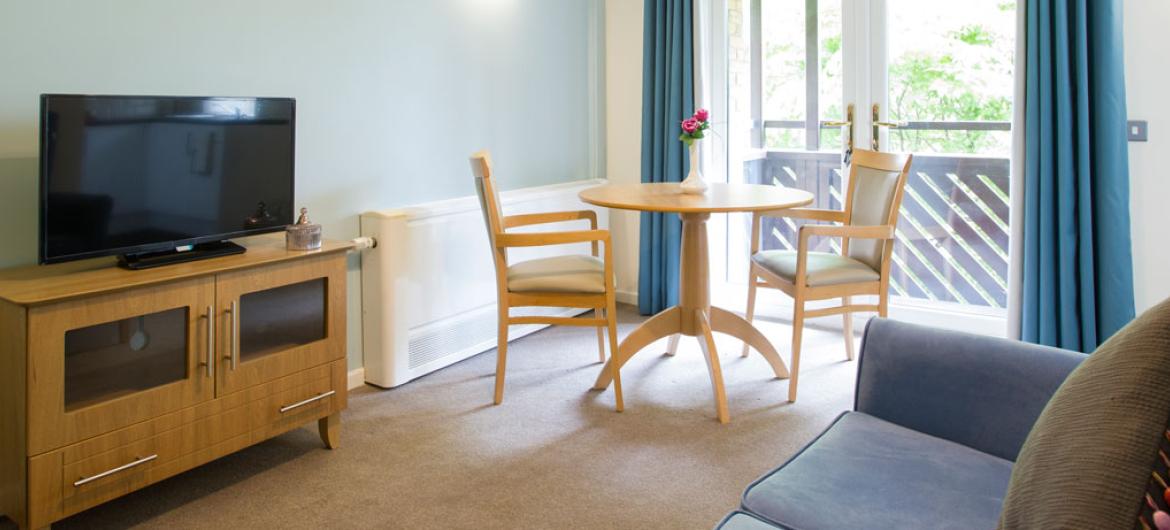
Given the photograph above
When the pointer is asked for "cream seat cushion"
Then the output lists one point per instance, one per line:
(559, 274)
(822, 268)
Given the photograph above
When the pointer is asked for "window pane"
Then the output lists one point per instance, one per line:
(783, 42)
(951, 62)
(829, 85)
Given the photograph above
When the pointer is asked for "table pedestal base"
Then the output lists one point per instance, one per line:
(694, 316)
(669, 323)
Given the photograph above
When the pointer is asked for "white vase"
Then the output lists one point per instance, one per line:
(694, 183)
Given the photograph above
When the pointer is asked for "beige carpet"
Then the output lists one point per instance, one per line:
(435, 453)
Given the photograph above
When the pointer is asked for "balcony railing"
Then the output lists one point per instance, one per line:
(952, 236)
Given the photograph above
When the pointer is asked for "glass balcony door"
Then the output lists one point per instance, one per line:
(947, 97)
(808, 79)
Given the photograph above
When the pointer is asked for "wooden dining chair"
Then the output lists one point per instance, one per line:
(560, 281)
(867, 224)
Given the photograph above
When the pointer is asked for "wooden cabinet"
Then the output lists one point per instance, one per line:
(111, 380)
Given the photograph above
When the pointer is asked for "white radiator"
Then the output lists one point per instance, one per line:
(429, 288)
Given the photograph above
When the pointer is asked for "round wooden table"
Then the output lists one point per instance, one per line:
(694, 315)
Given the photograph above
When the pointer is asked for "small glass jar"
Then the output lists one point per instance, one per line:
(303, 235)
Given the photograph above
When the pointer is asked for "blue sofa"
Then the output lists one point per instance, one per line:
(938, 420)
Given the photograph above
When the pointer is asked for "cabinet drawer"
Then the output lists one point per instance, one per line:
(91, 480)
(292, 401)
(121, 470)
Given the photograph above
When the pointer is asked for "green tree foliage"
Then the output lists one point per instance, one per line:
(962, 80)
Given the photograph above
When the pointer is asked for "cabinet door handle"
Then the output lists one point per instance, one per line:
(138, 462)
(233, 335)
(210, 316)
(313, 399)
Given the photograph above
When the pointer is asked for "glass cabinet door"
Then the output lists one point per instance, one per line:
(277, 319)
(109, 361)
(123, 357)
(282, 321)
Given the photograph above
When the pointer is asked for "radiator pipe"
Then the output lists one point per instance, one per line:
(363, 243)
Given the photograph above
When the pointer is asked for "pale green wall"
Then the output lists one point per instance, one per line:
(392, 95)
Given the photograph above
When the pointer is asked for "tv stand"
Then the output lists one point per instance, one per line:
(147, 260)
(240, 349)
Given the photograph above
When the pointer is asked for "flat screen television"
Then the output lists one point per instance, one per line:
(159, 179)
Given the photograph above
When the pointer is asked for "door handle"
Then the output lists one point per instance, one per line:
(847, 124)
(233, 355)
(210, 317)
(878, 124)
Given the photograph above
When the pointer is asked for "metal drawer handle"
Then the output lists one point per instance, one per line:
(313, 399)
(86, 480)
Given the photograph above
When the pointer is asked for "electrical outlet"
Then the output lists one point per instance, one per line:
(1138, 130)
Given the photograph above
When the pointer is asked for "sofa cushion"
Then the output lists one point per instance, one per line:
(743, 521)
(864, 472)
(1087, 460)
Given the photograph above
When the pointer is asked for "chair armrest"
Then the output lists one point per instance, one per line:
(537, 239)
(859, 232)
(815, 214)
(851, 231)
(982, 392)
(513, 221)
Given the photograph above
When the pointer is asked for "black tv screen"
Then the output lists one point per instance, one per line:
(138, 174)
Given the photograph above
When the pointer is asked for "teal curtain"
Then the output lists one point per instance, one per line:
(1077, 285)
(667, 98)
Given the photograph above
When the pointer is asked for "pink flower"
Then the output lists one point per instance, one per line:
(690, 125)
(701, 115)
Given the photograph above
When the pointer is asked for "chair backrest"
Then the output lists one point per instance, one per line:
(489, 203)
(876, 183)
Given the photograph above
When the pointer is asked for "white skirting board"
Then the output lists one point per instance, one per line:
(356, 378)
(428, 288)
(626, 297)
